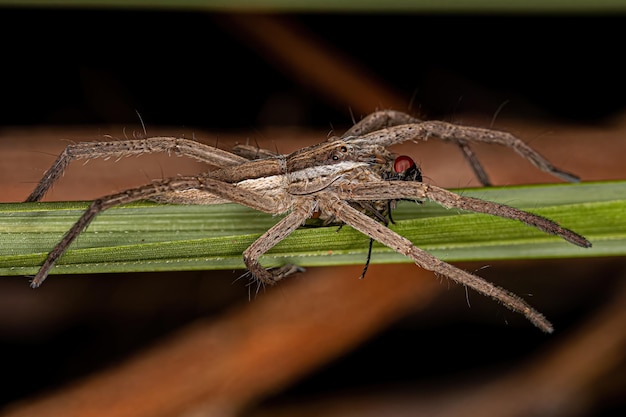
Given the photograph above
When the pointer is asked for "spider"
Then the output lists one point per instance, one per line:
(352, 179)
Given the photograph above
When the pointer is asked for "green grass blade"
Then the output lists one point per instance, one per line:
(151, 237)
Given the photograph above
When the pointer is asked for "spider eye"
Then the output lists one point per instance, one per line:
(402, 164)
(338, 154)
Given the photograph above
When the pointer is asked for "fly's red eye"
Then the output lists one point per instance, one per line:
(402, 164)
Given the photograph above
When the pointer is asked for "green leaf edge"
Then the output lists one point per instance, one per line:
(150, 237)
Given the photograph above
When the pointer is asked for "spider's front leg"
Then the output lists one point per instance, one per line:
(395, 190)
(379, 120)
(366, 225)
(389, 118)
(374, 143)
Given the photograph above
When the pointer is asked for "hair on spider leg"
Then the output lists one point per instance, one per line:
(496, 113)
(261, 284)
(143, 125)
(467, 297)
(251, 281)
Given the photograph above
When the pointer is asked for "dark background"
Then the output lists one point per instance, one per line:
(99, 67)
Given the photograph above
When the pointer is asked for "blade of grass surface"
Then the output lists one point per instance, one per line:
(151, 237)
